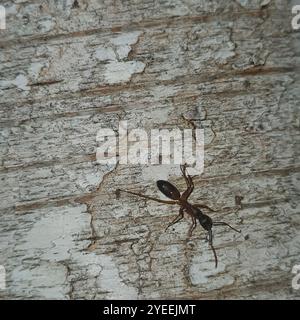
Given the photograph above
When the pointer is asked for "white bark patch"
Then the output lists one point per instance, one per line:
(52, 237)
(253, 4)
(20, 82)
(35, 70)
(48, 239)
(123, 43)
(117, 72)
(50, 242)
(46, 24)
(46, 280)
(126, 39)
(265, 3)
(110, 281)
(204, 273)
(104, 54)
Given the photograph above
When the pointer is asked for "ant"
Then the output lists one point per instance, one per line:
(170, 191)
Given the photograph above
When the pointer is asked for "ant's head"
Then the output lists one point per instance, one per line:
(168, 189)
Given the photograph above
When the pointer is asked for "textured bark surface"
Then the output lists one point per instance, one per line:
(69, 68)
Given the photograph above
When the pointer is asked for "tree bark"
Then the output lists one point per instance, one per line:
(70, 69)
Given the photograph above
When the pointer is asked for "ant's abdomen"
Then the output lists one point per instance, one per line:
(168, 189)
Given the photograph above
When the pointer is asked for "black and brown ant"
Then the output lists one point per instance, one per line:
(170, 191)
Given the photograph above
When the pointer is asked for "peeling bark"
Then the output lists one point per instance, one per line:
(70, 69)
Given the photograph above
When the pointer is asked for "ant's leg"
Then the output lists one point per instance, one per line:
(146, 197)
(220, 223)
(177, 219)
(193, 226)
(210, 241)
(183, 171)
(203, 206)
(189, 182)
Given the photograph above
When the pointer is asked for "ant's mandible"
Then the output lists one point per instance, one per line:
(170, 191)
